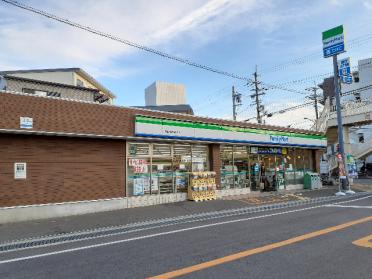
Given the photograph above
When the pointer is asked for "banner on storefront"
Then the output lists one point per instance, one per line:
(177, 129)
(268, 150)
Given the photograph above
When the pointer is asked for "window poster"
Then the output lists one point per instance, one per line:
(146, 185)
(154, 184)
(138, 165)
(180, 182)
(138, 188)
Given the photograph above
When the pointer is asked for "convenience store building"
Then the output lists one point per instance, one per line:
(60, 157)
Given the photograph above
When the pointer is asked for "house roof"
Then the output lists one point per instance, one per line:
(184, 108)
(79, 71)
(50, 83)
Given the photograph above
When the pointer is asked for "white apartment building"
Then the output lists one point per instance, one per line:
(163, 93)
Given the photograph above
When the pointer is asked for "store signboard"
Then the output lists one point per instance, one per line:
(333, 41)
(20, 171)
(278, 139)
(177, 129)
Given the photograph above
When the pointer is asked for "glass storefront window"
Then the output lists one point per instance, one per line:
(241, 167)
(289, 158)
(161, 169)
(200, 158)
(279, 180)
(227, 167)
(268, 169)
(255, 171)
(181, 166)
(308, 162)
(138, 170)
(299, 166)
(158, 168)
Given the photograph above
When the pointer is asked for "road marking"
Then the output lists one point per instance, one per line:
(364, 242)
(351, 206)
(353, 200)
(154, 235)
(249, 252)
(162, 233)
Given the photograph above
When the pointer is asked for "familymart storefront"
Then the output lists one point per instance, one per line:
(244, 159)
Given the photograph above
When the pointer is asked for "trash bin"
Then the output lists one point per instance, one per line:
(307, 180)
(312, 181)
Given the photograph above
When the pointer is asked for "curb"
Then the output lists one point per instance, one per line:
(54, 239)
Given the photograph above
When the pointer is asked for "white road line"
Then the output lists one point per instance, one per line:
(159, 234)
(350, 206)
(353, 200)
(152, 235)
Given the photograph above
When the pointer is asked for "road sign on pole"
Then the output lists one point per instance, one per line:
(344, 70)
(333, 41)
(333, 44)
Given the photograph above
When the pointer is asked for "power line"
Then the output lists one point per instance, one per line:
(358, 41)
(124, 41)
(256, 96)
(351, 92)
(314, 97)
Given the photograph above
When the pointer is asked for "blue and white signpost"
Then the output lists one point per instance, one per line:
(344, 70)
(334, 44)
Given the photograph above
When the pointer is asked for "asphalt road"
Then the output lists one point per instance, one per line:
(299, 242)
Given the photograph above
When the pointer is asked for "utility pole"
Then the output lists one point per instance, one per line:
(236, 100)
(343, 181)
(256, 96)
(314, 97)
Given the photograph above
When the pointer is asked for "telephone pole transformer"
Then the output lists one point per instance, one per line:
(256, 97)
(236, 100)
(314, 97)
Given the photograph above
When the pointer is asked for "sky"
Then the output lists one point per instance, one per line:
(283, 38)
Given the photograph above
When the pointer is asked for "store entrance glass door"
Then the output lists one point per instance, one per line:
(255, 167)
(280, 172)
(161, 170)
(162, 176)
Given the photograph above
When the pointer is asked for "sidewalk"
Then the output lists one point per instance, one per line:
(35, 228)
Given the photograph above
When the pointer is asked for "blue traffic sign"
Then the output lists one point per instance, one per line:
(344, 71)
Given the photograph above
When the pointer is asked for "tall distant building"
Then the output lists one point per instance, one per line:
(163, 93)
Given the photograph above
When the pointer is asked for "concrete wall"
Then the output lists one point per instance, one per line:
(53, 210)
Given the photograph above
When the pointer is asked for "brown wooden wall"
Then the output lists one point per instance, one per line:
(60, 169)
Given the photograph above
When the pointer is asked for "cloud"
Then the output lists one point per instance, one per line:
(294, 118)
(367, 5)
(31, 41)
(336, 2)
(209, 17)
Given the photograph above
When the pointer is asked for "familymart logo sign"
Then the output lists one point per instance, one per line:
(333, 41)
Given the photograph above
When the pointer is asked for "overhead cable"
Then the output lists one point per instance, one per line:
(124, 41)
